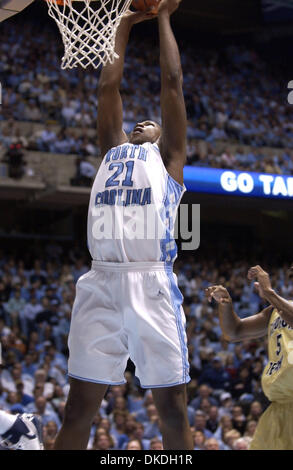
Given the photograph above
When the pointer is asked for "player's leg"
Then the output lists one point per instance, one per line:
(261, 440)
(171, 403)
(83, 401)
(158, 348)
(97, 354)
(274, 429)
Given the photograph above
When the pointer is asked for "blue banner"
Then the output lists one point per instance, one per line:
(237, 183)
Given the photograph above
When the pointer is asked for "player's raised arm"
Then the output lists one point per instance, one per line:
(174, 122)
(236, 329)
(263, 285)
(110, 111)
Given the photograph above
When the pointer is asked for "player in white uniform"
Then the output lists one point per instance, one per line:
(129, 303)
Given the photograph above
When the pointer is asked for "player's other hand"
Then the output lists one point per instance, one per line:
(168, 6)
(219, 293)
(134, 17)
(263, 279)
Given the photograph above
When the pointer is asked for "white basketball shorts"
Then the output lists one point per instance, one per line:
(124, 310)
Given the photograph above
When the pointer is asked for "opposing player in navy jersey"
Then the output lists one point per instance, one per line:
(129, 304)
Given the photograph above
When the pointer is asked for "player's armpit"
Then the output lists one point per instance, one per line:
(281, 304)
(253, 327)
(287, 316)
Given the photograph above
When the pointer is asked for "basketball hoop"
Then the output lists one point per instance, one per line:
(88, 30)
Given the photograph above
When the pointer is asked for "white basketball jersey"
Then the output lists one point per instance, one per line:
(133, 207)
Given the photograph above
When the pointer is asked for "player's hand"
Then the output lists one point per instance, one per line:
(219, 293)
(134, 17)
(263, 283)
(168, 6)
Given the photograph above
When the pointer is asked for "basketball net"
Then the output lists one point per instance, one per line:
(88, 30)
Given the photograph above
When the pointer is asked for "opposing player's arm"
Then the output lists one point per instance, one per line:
(174, 121)
(264, 287)
(252, 327)
(110, 110)
(234, 328)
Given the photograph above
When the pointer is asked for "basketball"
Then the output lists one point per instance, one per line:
(143, 5)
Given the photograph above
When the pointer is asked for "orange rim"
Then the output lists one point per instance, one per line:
(59, 2)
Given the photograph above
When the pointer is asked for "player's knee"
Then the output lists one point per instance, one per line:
(175, 419)
(172, 410)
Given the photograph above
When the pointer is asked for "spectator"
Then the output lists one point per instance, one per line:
(140, 434)
(28, 315)
(250, 428)
(226, 404)
(204, 391)
(14, 306)
(230, 437)
(224, 426)
(45, 412)
(238, 418)
(200, 421)
(212, 444)
(29, 364)
(242, 384)
(50, 430)
(9, 379)
(156, 444)
(255, 411)
(142, 414)
(118, 429)
(85, 173)
(134, 444)
(215, 375)
(241, 444)
(23, 398)
(213, 419)
(103, 441)
(130, 427)
(227, 159)
(46, 139)
(199, 440)
(152, 425)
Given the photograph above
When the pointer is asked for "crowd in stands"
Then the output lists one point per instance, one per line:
(225, 400)
(231, 96)
(254, 159)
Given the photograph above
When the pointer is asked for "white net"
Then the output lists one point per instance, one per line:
(88, 30)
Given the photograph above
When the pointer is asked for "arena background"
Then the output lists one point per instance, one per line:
(46, 205)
